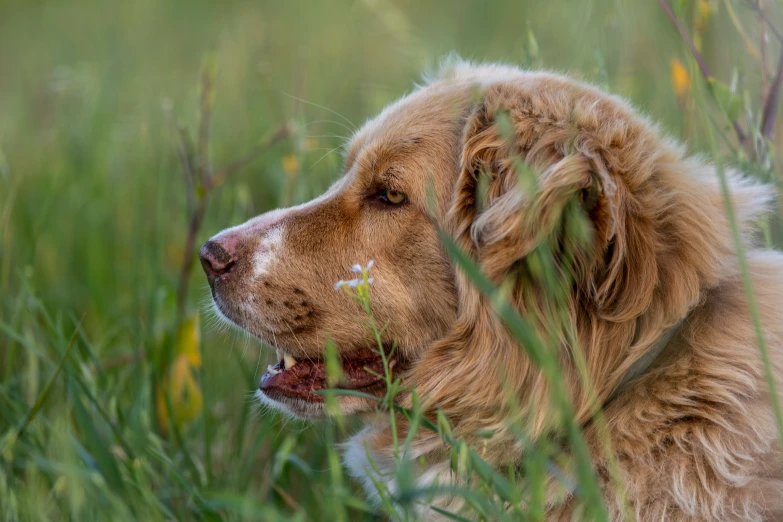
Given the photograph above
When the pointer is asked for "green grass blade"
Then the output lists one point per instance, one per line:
(39, 402)
(525, 335)
(745, 274)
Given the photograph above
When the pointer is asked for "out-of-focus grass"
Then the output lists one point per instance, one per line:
(92, 216)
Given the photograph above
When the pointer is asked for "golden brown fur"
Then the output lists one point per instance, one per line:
(695, 435)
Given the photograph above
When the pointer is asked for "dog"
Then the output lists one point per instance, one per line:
(654, 298)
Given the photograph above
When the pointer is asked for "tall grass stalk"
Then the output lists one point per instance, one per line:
(742, 262)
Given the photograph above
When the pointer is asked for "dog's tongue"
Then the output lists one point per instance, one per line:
(307, 376)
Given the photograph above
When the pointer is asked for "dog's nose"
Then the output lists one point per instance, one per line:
(217, 258)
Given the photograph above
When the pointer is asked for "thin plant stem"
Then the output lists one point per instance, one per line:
(745, 273)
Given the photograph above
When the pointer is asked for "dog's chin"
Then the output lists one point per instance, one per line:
(292, 407)
(313, 410)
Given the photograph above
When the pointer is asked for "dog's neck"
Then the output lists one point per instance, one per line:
(371, 461)
(647, 359)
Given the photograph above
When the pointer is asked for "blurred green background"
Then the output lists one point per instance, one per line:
(93, 216)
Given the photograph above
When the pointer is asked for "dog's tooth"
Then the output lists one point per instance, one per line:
(288, 361)
(271, 369)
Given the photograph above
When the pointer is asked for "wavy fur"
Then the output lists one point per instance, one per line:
(695, 435)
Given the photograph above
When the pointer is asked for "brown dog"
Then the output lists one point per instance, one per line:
(657, 282)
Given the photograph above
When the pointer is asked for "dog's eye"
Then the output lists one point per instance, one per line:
(392, 197)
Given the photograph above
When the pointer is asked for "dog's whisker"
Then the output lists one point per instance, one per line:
(353, 127)
(336, 136)
(258, 364)
(325, 155)
(305, 125)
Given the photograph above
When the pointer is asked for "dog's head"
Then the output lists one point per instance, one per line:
(639, 261)
(275, 275)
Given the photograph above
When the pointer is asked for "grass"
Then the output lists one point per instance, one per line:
(94, 217)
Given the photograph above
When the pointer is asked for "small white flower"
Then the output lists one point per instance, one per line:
(354, 283)
(357, 268)
(351, 283)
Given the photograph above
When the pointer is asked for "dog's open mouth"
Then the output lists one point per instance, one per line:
(299, 378)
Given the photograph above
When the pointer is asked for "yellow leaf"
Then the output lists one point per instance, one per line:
(179, 384)
(704, 8)
(189, 340)
(680, 79)
(290, 164)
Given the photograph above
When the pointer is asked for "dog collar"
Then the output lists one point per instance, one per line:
(643, 363)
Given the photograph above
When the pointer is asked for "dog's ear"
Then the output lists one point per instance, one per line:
(517, 191)
(529, 183)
